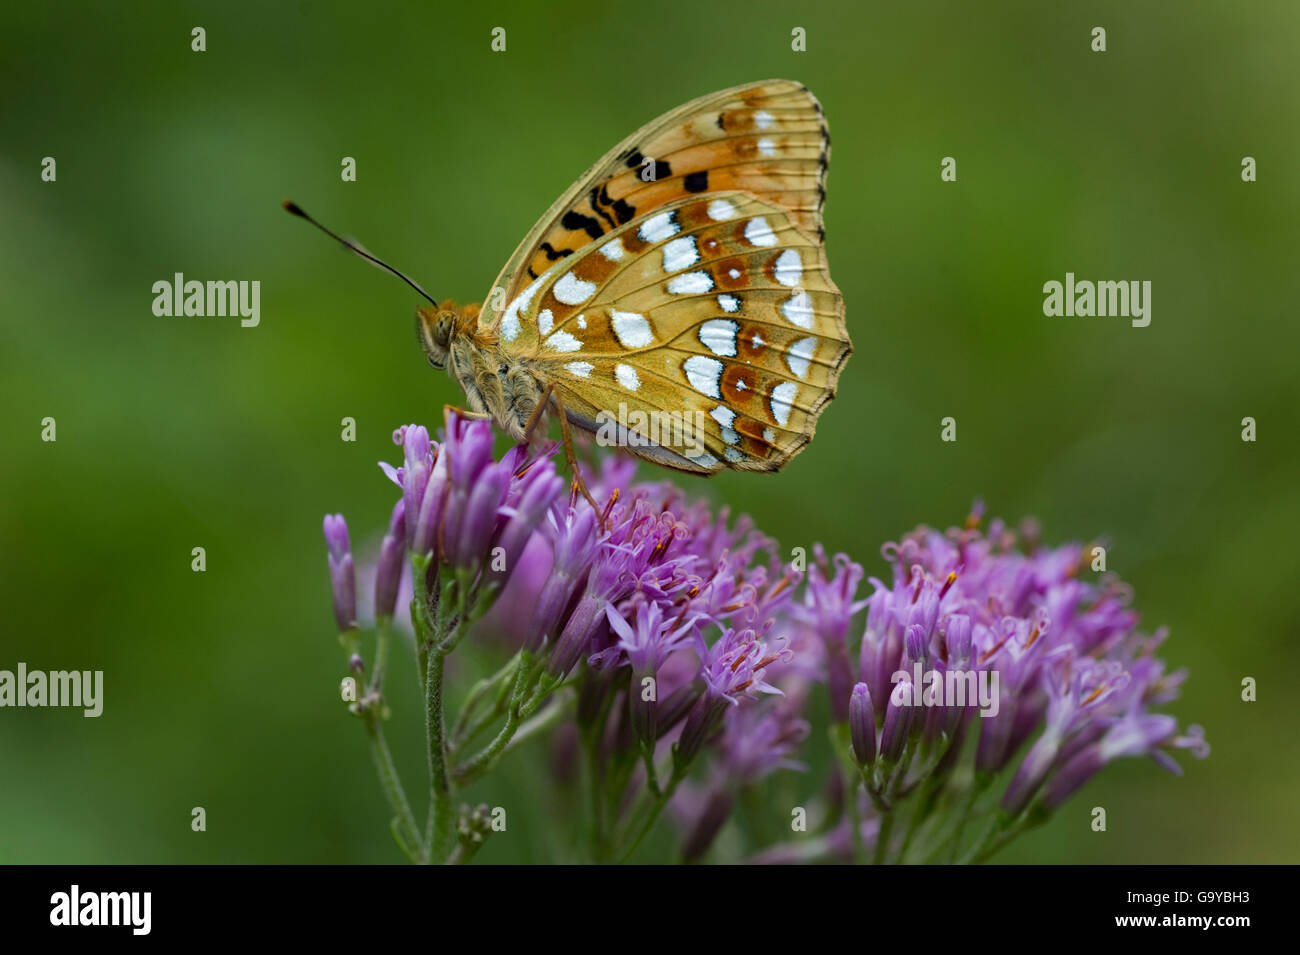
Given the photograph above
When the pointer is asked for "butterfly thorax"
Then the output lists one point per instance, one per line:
(495, 384)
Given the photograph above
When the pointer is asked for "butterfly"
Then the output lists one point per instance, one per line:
(676, 298)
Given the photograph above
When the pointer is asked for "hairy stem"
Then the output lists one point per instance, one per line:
(392, 785)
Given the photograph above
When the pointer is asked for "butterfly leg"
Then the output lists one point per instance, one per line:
(534, 420)
(467, 414)
(573, 462)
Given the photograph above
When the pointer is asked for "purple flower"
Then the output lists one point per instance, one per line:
(732, 667)
(1076, 689)
(643, 645)
(646, 642)
(828, 608)
(634, 555)
(862, 725)
(533, 490)
(343, 578)
(423, 509)
(471, 512)
(388, 569)
(755, 741)
(1071, 665)
(898, 720)
(573, 539)
(1135, 734)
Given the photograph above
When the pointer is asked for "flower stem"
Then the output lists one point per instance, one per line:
(479, 692)
(977, 787)
(441, 810)
(882, 837)
(842, 746)
(381, 655)
(542, 721)
(652, 815)
(392, 785)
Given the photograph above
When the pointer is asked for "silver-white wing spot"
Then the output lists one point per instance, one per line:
(631, 329)
(562, 341)
(580, 368)
(720, 210)
(510, 326)
(789, 268)
(692, 283)
(718, 335)
(660, 227)
(782, 401)
(572, 290)
(627, 377)
(799, 310)
(800, 356)
(726, 419)
(704, 374)
(758, 232)
(680, 254)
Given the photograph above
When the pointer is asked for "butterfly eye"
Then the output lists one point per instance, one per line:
(433, 336)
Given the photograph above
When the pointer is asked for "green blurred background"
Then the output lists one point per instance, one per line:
(221, 687)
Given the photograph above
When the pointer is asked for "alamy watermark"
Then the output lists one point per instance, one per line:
(208, 299)
(75, 907)
(633, 428)
(1131, 299)
(75, 688)
(955, 688)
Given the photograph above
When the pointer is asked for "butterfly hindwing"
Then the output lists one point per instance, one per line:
(708, 333)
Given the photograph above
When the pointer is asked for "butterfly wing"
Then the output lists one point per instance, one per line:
(768, 139)
(704, 335)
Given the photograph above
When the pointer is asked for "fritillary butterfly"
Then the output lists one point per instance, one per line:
(683, 275)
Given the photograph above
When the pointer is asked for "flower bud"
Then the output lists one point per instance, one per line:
(862, 725)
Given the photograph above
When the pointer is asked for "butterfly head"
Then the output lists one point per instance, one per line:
(437, 327)
(434, 327)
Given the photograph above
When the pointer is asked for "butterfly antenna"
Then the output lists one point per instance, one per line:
(295, 209)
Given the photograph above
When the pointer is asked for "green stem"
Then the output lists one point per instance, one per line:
(1004, 831)
(381, 654)
(442, 811)
(652, 816)
(976, 788)
(920, 812)
(841, 743)
(392, 785)
(882, 837)
(487, 757)
(477, 694)
(855, 816)
(680, 770)
(541, 722)
(518, 728)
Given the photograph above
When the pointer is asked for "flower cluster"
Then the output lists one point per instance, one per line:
(685, 651)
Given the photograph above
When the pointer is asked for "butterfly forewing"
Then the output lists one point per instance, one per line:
(768, 139)
(714, 311)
